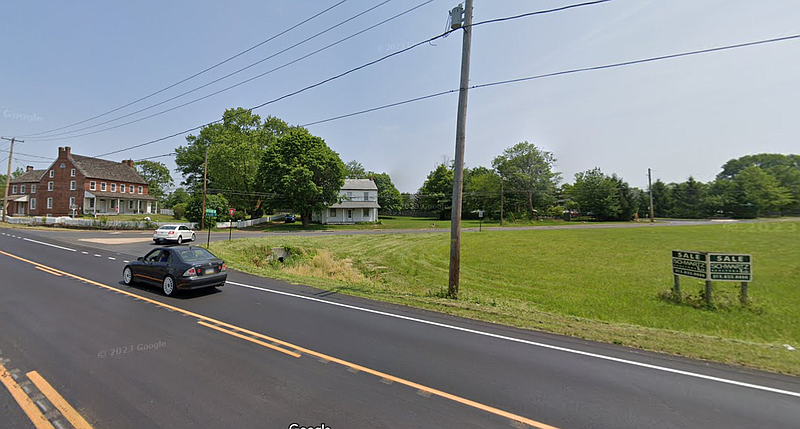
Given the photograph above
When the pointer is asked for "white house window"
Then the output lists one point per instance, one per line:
(333, 213)
(49, 186)
(49, 202)
(14, 189)
(33, 203)
(72, 172)
(122, 188)
(113, 187)
(33, 189)
(349, 196)
(366, 196)
(366, 212)
(92, 186)
(51, 174)
(140, 190)
(349, 214)
(71, 202)
(72, 185)
(103, 186)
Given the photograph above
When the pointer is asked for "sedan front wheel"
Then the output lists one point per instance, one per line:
(168, 286)
(127, 275)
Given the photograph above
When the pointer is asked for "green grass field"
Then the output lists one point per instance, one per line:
(600, 284)
(399, 222)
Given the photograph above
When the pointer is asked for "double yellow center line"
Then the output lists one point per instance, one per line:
(294, 350)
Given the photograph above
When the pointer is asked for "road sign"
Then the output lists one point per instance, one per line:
(728, 267)
(690, 264)
(211, 213)
(231, 212)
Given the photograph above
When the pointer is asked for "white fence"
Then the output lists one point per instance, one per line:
(124, 224)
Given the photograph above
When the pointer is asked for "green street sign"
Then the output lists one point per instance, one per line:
(211, 213)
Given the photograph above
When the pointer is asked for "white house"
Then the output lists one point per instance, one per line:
(359, 203)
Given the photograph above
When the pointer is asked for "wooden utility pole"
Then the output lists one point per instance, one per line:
(205, 176)
(461, 133)
(650, 188)
(502, 197)
(8, 174)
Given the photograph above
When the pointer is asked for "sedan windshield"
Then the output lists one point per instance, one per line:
(197, 254)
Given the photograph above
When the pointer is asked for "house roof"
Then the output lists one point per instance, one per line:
(29, 176)
(356, 205)
(119, 195)
(359, 185)
(97, 168)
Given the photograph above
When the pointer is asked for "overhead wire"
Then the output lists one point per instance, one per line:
(52, 137)
(196, 74)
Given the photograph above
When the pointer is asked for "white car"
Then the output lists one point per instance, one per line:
(176, 233)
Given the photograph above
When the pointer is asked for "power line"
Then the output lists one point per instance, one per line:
(540, 12)
(561, 73)
(335, 77)
(50, 137)
(154, 157)
(196, 74)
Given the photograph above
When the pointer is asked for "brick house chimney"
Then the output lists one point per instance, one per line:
(128, 162)
(64, 152)
(28, 168)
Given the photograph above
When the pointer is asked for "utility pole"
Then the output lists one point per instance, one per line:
(461, 134)
(205, 176)
(8, 174)
(650, 187)
(502, 197)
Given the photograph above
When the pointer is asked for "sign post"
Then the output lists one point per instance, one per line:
(210, 213)
(713, 266)
(230, 224)
(480, 222)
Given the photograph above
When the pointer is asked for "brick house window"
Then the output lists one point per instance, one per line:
(132, 190)
(140, 190)
(49, 202)
(72, 185)
(21, 189)
(92, 186)
(51, 174)
(14, 189)
(62, 165)
(333, 213)
(49, 186)
(72, 172)
(122, 188)
(103, 186)
(71, 202)
(130, 204)
(113, 187)
(33, 203)
(33, 189)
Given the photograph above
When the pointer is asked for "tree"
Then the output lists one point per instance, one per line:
(354, 170)
(481, 190)
(388, 195)
(752, 192)
(178, 196)
(194, 209)
(437, 191)
(303, 172)
(690, 199)
(784, 168)
(596, 194)
(157, 176)
(235, 148)
(662, 199)
(528, 170)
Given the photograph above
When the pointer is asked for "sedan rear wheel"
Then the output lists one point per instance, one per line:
(127, 275)
(168, 286)
(180, 239)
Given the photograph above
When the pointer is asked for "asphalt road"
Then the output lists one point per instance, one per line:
(263, 354)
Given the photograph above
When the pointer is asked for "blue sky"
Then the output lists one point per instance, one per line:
(67, 61)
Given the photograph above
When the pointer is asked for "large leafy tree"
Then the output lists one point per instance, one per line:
(437, 191)
(481, 190)
(302, 172)
(388, 196)
(157, 176)
(194, 209)
(354, 170)
(528, 170)
(235, 147)
(178, 196)
(596, 194)
(752, 192)
(785, 169)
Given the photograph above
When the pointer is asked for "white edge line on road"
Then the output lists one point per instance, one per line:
(48, 244)
(532, 343)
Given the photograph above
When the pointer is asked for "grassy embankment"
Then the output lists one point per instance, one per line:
(599, 284)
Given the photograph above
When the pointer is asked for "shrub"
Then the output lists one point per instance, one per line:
(179, 211)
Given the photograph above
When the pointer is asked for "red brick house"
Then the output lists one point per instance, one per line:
(80, 183)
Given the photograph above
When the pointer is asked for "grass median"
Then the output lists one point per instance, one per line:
(601, 284)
